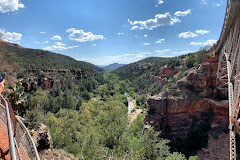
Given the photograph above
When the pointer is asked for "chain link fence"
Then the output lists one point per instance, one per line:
(24, 144)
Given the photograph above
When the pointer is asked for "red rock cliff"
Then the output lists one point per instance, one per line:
(174, 115)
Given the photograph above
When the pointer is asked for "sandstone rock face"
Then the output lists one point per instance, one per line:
(162, 74)
(166, 72)
(173, 115)
(42, 138)
(205, 77)
(176, 113)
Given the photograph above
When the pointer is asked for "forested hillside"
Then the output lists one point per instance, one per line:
(137, 69)
(142, 73)
(30, 59)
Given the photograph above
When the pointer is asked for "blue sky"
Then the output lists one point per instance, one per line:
(108, 31)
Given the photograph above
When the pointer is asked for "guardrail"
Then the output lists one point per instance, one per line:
(21, 144)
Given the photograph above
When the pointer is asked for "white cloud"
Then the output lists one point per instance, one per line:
(42, 32)
(41, 42)
(187, 35)
(120, 34)
(160, 41)
(56, 47)
(185, 52)
(123, 59)
(182, 13)
(56, 38)
(59, 44)
(159, 20)
(145, 35)
(146, 44)
(218, 4)
(10, 5)
(196, 43)
(202, 32)
(94, 44)
(81, 36)
(11, 36)
(159, 2)
(161, 52)
(208, 42)
(134, 27)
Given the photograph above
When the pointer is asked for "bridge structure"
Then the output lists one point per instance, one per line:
(16, 142)
(228, 74)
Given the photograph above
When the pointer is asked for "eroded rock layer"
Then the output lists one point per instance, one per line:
(173, 115)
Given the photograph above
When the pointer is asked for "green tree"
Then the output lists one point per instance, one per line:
(39, 99)
(190, 61)
(154, 148)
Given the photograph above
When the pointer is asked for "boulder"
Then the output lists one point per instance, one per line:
(42, 138)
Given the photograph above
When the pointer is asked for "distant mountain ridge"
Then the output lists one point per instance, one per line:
(113, 66)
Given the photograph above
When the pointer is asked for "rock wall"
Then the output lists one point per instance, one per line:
(173, 115)
(206, 75)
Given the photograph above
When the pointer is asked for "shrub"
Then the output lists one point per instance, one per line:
(34, 118)
(173, 63)
(190, 61)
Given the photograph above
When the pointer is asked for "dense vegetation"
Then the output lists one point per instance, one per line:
(95, 127)
(139, 72)
(139, 68)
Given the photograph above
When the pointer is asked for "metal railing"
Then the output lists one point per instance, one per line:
(228, 19)
(21, 144)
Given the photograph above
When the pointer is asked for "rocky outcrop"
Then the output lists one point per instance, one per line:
(160, 77)
(166, 72)
(174, 116)
(42, 138)
(160, 81)
(205, 76)
(51, 76)
(197, 94)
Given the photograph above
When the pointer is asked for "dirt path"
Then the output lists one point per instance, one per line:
(132, 105)
(133, 116)
(4, 144)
